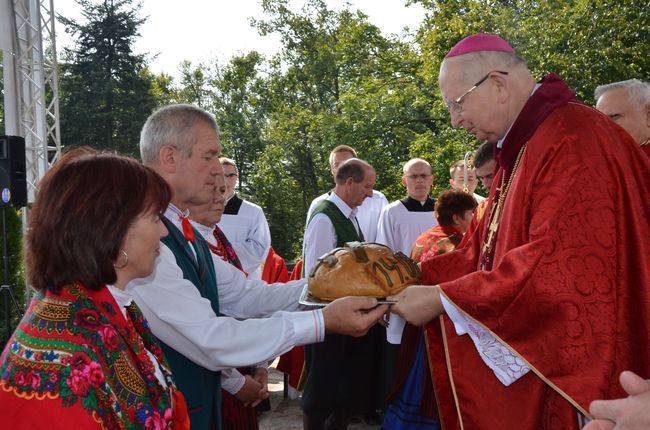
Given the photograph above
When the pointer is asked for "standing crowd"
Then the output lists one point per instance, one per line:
(160, 300)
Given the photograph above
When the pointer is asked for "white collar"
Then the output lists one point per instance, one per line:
(346, 210)
(122, 297)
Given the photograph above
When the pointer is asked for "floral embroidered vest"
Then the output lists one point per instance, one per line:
(200, 386)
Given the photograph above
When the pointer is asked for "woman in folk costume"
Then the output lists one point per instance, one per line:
(83, 355)
(244, 388)
(412, 402)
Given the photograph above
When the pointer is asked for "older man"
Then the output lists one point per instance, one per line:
(181, 300)
(244, 224)
(341, 372)
(402, 221)
(627, 103)
(546, 299)
(368, 212)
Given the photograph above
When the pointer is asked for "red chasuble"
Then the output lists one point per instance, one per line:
(566, 285)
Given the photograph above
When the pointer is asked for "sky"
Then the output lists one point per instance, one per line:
(202, 30)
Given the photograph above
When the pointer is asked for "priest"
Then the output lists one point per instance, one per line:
(548, 301)
(402, 221)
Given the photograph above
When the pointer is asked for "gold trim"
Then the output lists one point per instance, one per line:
(51, 311)
(129, 377)
(533, 368)
(449, 372)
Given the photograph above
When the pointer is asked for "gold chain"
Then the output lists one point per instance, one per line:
(495, 216)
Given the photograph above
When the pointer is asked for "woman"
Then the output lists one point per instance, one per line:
(412, 405)
(454, 211)
(83, 355)
(239, 394)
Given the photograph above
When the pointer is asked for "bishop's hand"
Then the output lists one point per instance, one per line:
(418, 304)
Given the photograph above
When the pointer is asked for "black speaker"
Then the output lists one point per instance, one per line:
(13, 173)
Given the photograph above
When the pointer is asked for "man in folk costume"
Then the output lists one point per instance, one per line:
(368, 212)
(627, 103)
(340, 371)
(181, 143)
(244, 224)
(548, 298)
(244, 388)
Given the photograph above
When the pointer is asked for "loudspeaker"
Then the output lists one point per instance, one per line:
(13, 174)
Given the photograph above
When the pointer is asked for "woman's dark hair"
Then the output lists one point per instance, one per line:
(453, 202)
(85, 205)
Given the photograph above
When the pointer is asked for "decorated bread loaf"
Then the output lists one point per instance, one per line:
(362, 269)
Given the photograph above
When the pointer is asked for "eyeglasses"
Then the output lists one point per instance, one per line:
(457, 105)
(416, 177)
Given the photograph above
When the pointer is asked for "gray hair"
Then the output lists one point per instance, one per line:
(172, 125)
(638, 90)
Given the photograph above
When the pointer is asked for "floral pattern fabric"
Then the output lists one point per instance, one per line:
(76, 351)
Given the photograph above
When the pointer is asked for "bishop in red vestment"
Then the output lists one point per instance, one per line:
(553, 284)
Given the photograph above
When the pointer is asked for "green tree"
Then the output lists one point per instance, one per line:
(239, 102)
(586, 42)
(106, 89)
(338, 80)
(15, 276)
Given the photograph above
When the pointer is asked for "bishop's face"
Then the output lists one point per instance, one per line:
(483, 113)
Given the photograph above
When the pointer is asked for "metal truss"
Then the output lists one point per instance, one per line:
(31, 87)
(32, 110)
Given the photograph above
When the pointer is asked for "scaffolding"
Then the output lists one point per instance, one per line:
(30, 82)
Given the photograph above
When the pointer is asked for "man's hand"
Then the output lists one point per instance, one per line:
(252, 393)
(352, 315)
(630, 413)
(418, 304)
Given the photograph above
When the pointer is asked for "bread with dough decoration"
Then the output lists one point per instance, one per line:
(362, 269)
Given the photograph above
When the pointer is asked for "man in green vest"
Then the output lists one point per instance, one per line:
(189, 292)
(342, 372)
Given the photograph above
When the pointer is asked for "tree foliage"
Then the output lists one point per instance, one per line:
(106, 88)
(337, 80)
